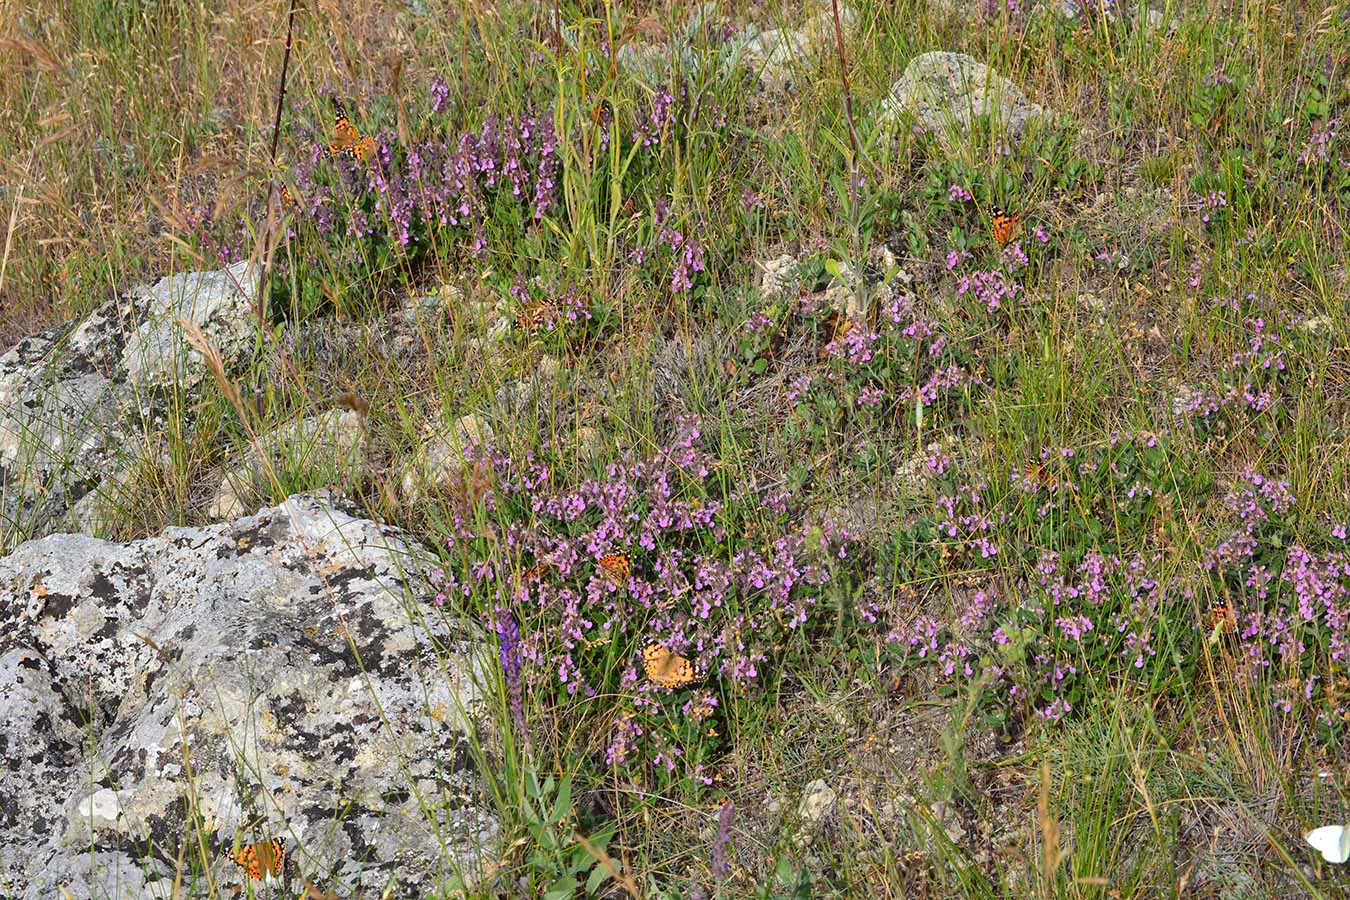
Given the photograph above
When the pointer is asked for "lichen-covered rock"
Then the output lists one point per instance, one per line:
(282, 675)
(219, 303)
(331, 445)
(74, 398)
(946, 92)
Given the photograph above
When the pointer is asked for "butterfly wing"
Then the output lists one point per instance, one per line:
(1221, 619)
(345, 135)
(1005, 227)
(1332, 841)
(364, 149)
(667, 669)
(616, 566)
(537, 314)
(260, 860)
(271, 856)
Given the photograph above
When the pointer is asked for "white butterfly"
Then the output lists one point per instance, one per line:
(1332, 841)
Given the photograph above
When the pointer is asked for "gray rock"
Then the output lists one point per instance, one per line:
(101, 510)
(817, 802)
(945, 93)
(331, 445)
(440, 462)
(775, 52)
(777, 275)
(519, 395)
(77, 400)
(286, 669)
(219, 303)
(687, 51)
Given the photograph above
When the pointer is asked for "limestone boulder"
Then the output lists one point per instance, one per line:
(77, 398)
(946, 92)
(286, 674)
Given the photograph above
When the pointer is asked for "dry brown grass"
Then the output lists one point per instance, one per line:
(120, 119)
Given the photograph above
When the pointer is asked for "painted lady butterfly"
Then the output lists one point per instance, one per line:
(537, 572)
(1006, 227)
(1221, 619)
(264, 859)
(1038, 475)
(669, 670)
(538, 314)
(347, 139)
(616, 567)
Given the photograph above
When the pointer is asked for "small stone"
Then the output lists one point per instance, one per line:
(331, 444)
(440, 461)
(1315, 325)
(429, 307)
(818, 801)
(777, 275)
(520, 393)
(589, 443)
(1091, 302)
(945, 817)
(226, 503)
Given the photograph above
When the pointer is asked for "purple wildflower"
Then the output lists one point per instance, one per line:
(720, 863)
(508, 638)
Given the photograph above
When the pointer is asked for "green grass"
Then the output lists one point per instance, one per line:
(1183, 774)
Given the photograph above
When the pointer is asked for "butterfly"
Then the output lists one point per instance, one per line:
(669, 670)
(1039, 475)
(261, 860)
(840, 329)
(536, 572)
(616, 567)
(347, 139)
(287, 201)
(1005, 227)
(1332, 841)
(1221, 619)
(537, 314)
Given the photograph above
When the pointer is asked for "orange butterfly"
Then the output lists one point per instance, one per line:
(287, 201)
(667, 669)
(538, 571)
(347, 139)
(1221, 619)
(1006, 227)
(264, 859)
(616, 567)
(536, 314)
(1039, 474)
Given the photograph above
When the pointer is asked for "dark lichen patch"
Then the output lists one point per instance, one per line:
(293, 708)
(57, 605)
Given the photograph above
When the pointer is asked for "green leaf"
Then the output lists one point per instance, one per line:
(598, 877)
(563, 805)
(562, 889)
